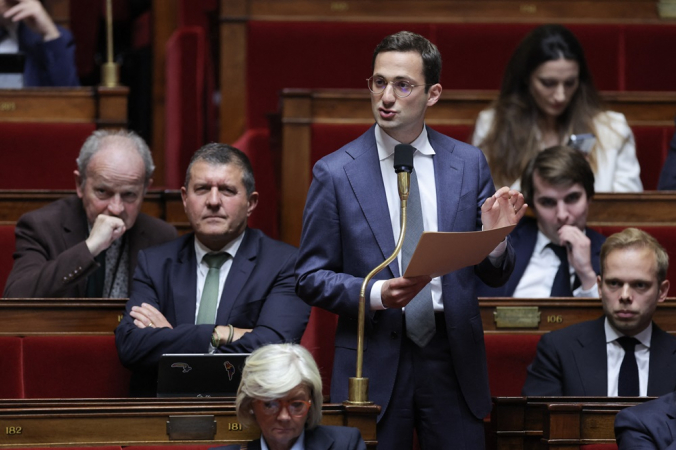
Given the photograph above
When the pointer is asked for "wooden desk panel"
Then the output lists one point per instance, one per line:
(555, 422)
(556, 313)
(62, 316)
(143, 421)
(106, 107)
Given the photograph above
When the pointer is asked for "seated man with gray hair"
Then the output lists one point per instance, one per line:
(281, 393)
(86, 245)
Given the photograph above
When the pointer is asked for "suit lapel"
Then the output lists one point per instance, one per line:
(240, 270)
(366, 181)
(318, 439)
(183, 282)
(75, 230)
(448, 176)
(523, 240)
(592, 360)
(662, 370)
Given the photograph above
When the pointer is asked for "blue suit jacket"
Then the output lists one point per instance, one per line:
(347, 232)
(667, 180)
(48, 63)
(523, 239)
(649, 426)
(258, 293)
(573, 362)
(323, 437)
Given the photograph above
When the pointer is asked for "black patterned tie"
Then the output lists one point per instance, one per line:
(627, 385)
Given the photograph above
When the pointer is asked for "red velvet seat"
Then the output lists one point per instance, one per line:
(184, 111)
(665, 235)
(319, 339)
(11, 373)
(41, 155)
(508, 356)
(7, 245)
(598, 447)
(652, 144)
(73, 367)
(255, 143)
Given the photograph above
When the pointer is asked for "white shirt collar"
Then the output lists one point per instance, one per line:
(612, 334)
(386, 143)
(231, 248)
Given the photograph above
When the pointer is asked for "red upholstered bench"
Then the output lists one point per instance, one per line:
(665, 235)
(652, 144)
(598, 447)
(7, 245)
(41, 155)
(11, 374)
(319, 338)
(508, 356)
(73, 367)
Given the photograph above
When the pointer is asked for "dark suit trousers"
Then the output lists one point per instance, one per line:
(426, 397)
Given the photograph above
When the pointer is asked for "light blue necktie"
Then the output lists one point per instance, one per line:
(420, 325)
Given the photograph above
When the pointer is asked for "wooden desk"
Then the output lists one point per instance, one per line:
(60, 316)
(555, 422)
(503, 315)
(146, 421)
(106, 107)
(301, 108)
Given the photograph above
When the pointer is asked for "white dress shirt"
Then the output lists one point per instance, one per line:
(538, 278)
(615, 355)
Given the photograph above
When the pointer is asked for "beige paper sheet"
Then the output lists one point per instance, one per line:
(440, 253)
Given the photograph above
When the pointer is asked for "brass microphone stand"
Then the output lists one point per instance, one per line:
(110, 75)
(358, 387)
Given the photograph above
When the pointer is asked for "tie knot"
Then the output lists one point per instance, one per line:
(627, 343)
(215, 260)
(560, 251)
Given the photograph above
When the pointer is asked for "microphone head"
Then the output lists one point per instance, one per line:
(403, 158)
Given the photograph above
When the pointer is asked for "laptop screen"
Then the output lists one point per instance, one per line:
(200, 375)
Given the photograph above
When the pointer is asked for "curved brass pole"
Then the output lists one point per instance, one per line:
(109, 71)
(358, 385)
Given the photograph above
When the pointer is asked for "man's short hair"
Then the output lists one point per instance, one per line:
(222, 154)
(559, 166)
(633, 237)
(405, 41)
(94, 144)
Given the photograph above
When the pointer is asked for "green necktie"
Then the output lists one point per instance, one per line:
(209, 300)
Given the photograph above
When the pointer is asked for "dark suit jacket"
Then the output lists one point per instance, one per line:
(323, 437)
(52, 258)
(347, 232)
(523, 239)
(573, 362)
(48, 63)
(649, 426)
(668, 176)
(258, 293)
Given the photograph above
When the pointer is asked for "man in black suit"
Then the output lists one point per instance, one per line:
(649, 426)
(622, 353)
(252, 300)
(556, 254)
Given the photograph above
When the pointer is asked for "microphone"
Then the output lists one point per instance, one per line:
(403, 166)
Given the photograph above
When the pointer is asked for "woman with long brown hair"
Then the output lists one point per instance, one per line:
(547, 95)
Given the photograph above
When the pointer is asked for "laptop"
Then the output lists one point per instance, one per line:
(200, 375)
(11, 70)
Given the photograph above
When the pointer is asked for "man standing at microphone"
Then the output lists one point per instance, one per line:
(424, 352)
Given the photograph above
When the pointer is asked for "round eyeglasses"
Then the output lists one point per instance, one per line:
(296, 408)
(402, 88)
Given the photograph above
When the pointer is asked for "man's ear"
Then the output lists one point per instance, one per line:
(252, 203)
(78, 183)
(433, 94)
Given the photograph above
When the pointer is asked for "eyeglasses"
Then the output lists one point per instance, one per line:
(296, 408)
(402, 88)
